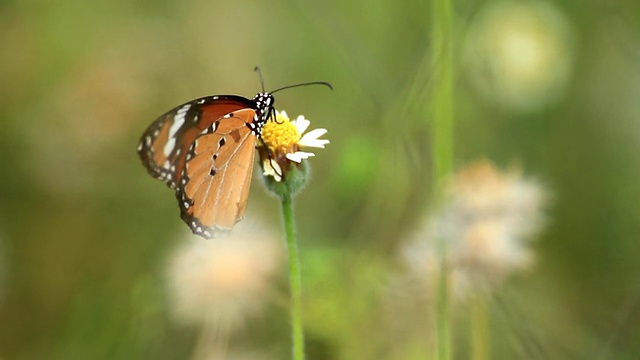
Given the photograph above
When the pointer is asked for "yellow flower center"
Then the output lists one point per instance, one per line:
(281, 136)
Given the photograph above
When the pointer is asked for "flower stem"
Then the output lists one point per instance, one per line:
(480, 343)
(442, 151)
(443, 327)
(443, 94)
(294, 277)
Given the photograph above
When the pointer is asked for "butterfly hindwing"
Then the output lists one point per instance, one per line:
(217, 174)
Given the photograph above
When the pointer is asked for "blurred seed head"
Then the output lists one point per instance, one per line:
(223, 281)
(486, 221)
(520, 54)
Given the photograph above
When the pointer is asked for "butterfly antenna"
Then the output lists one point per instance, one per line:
(304, 84)
(257, 69)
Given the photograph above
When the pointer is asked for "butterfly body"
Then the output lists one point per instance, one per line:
(204, 151)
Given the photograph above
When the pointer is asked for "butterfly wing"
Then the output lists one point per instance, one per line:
(164, 145)
(204, 150)
(215, 180)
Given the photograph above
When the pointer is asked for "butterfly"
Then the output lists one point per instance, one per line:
(204, 151)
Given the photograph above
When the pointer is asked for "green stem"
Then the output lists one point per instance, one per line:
(480, 343)
(294, 277)
(443, 90)
(442, 152)
(443, 326)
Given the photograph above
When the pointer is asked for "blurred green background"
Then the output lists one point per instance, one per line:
(86, 234)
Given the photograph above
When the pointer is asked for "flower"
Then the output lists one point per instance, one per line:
(485, 223)
(223, 281)
(520, 54)
(282, 139)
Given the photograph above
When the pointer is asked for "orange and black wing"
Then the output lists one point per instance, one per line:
(215, 180)
(164, 145)
(204, 150)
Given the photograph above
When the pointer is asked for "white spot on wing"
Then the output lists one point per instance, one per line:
(168, 147)
(178, 121)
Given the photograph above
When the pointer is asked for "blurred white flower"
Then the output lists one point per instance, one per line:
(224, 280)
(520, 54)
(486, 222)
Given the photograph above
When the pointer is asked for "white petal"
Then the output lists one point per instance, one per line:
(272, 168)
(314, 143)
(311, 139)
(316, 133)
(301, 124)
(298, 156)
(282, 113)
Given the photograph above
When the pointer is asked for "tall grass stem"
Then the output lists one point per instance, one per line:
(442, 149)
(480, 348)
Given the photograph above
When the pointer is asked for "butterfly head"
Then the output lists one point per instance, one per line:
(264, 108)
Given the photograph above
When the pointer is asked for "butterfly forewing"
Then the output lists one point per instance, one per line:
(217, 174)
(164, 145)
